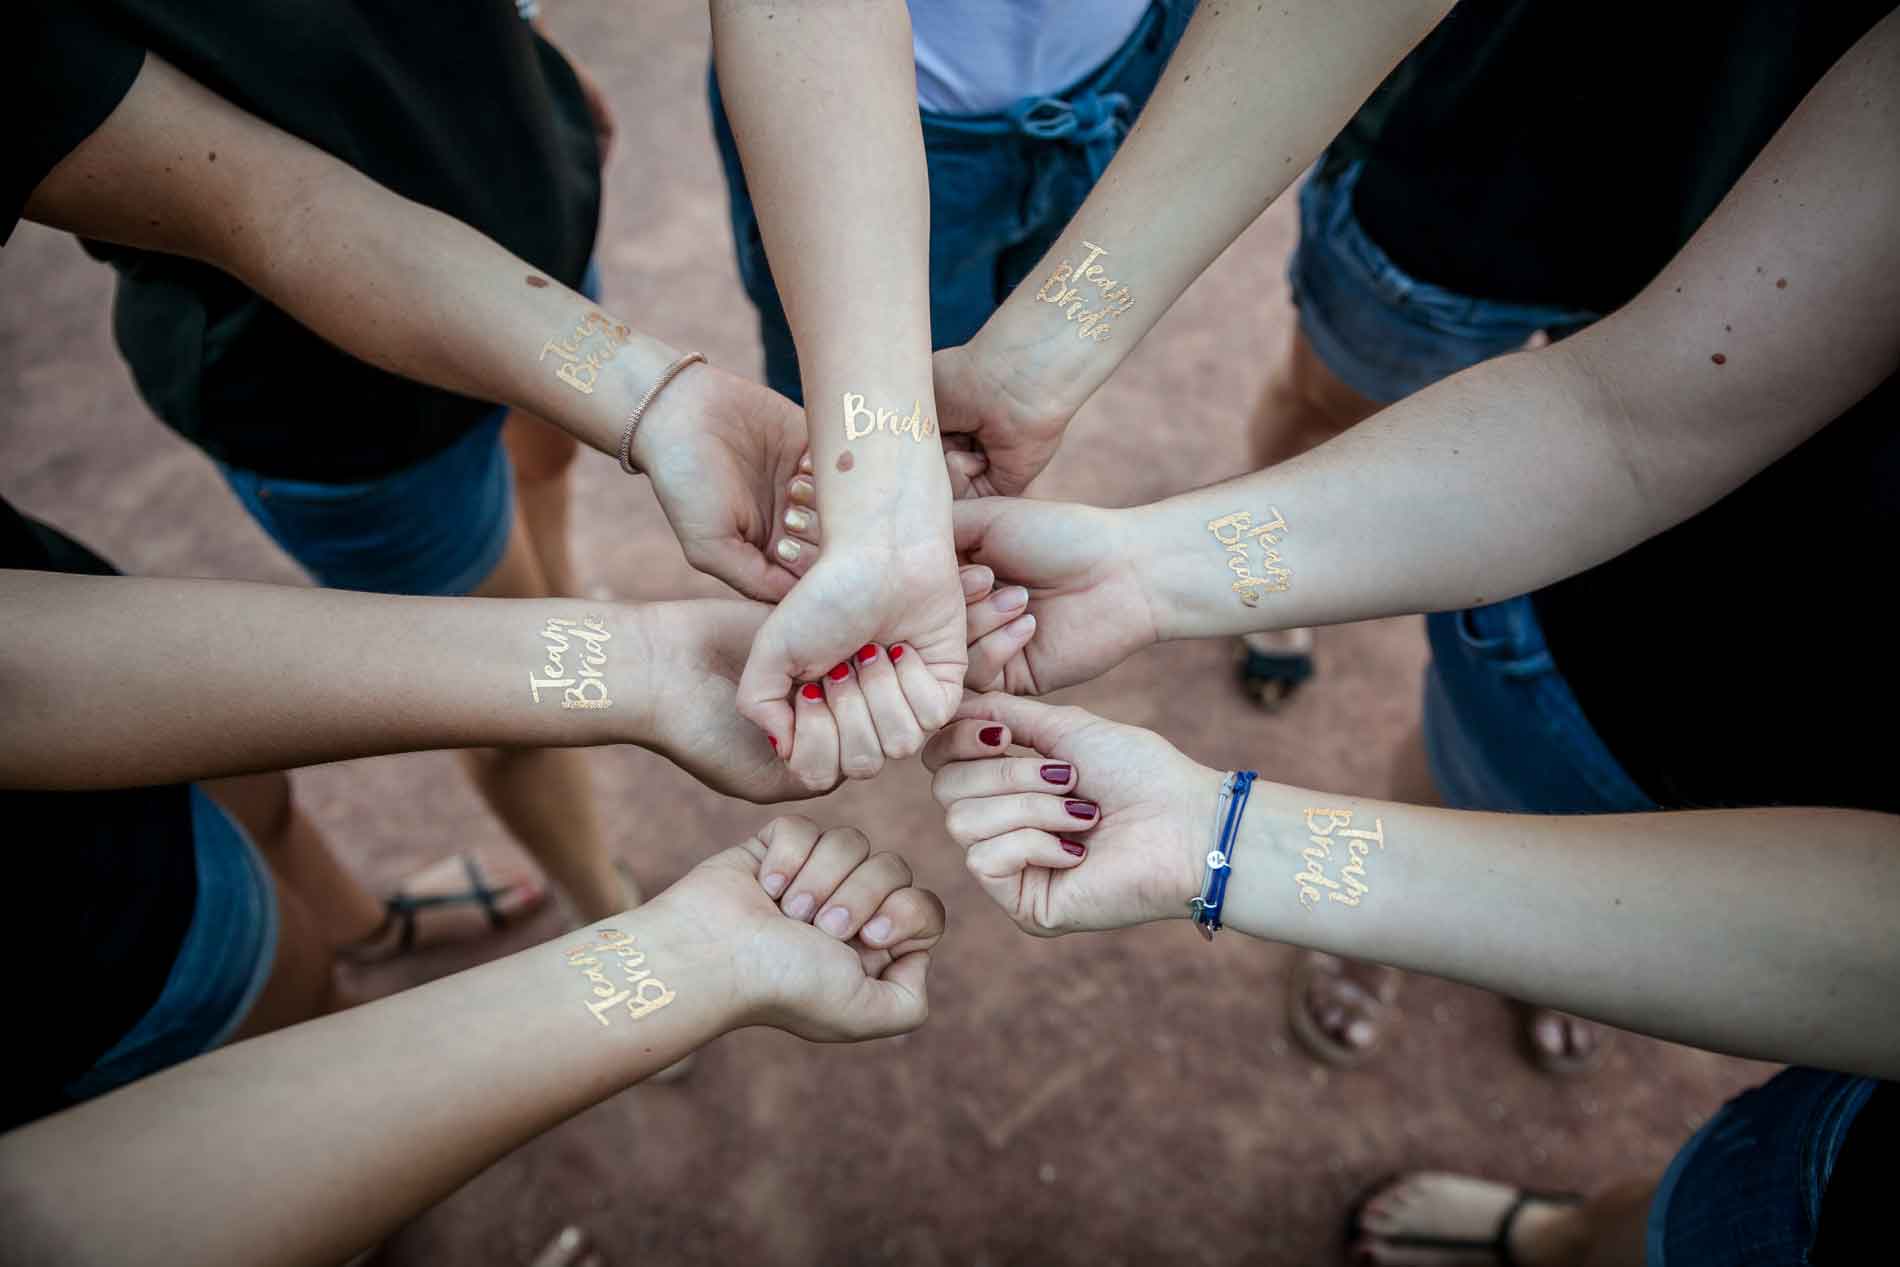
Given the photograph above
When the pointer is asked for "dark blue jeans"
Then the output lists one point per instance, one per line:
(1002, 188)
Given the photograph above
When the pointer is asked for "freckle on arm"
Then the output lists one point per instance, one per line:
(539, 283)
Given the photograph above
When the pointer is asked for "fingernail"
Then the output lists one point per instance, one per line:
(1080, 809)
(788, 550)
(773, 740)
(835, 920)
(867, 653)
(878, 930)
(839, 672)
(897, 651)
(1075, 848)
(812, 691)
(774, 883)
(991, 735)
(800, 905)
(803, 489)
(797, 518)
(804, 463)
(1055, 774)
(1010, 598)
(570, 1238)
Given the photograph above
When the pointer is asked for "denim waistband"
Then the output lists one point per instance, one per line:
(1091, 114)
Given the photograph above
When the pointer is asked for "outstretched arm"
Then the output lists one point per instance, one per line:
(1250, 97)
(176, 168)
(313, 1143)
(1514, 474)
(1760, 932)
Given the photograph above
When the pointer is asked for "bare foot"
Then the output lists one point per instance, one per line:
(1435, 1219)
(444, 902)
(1564, 1044)
(1341, 1009)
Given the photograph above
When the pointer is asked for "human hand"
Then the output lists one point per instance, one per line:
(1006, 433)
(811, 932)
(722, 453)
(1070, 602)
(887, 618)
(1102, 826)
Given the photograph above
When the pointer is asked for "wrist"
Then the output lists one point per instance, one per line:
(1185, 868)
(1039, 368)
(695, 992)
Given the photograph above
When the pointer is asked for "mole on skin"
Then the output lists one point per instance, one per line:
(845, 461)
(539, 283)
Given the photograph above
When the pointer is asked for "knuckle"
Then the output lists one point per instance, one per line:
(862, 767)
(852, 841)
(894, 865)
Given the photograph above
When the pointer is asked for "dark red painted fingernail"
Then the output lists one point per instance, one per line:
(867, 653)
(897, 652)
(811, 690)
(991, 735)
(1074, 848)
(1080, 809)
(839, 672)
(1055, 774)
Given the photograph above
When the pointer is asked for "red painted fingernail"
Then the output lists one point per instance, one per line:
(773, 740)
(839, 672)
(812, 691)
(1080, 809)
(991, 735)
(1055, 774)
(897, 652)
(867, 653)
(1073, 847)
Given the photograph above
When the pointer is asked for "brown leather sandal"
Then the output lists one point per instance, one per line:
(1378, 1003)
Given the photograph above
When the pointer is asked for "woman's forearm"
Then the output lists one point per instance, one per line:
(1766, 933)
(117, 681)
(1248, 100)
(822, 99)
(313, 1143)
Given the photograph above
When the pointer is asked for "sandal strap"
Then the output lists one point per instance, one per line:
(399, 909)
(1501, 1239)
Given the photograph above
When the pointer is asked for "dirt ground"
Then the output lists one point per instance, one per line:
(1104, 1099)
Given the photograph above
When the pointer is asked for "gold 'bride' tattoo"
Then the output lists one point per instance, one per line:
(861, 421)
(635, 986)
(587, 347)
(583, 682)
(1324, 829)
(1064, 290)
(1236, 532)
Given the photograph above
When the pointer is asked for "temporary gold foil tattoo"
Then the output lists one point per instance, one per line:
(861, 420)
(618, 978)
(1324, 829)
(1065, 290)
(588, 346)
(576, 662)
(1239, 537)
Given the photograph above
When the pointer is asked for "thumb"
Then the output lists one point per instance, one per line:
(745, 568)
(1045, 727)
(766, 682)
(971, 518)
(894, 1003)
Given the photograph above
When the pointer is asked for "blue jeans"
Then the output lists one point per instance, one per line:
(1746, 1190)
(437, 527)
(222, 965)
(1381, 331)
(1002, 188)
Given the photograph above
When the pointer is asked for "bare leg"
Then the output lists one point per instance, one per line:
(1605, 1231)
(1302, 405)
(302, 982)
(542, 455)
(544, 795)
(339, 909)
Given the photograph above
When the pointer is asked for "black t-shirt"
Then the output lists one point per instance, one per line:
(1563, 153)
(468, 112)
(109, 884)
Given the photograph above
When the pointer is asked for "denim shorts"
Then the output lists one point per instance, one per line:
(437, 527)
(1382, 332)
(222, 965)
(1746, 1190)
(1002, 188)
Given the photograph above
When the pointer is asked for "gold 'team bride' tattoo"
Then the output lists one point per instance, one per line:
(1324, 828)
(587, 347)
(636, 986)
(584, 685)
(1235, 532)
(1064, 290)
(913, 424)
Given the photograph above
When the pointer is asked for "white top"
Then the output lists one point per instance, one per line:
(981, 56)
